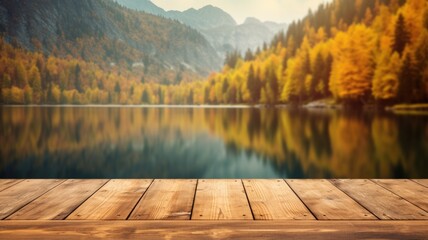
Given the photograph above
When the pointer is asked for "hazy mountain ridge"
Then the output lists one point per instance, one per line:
(141, 37)
(205, 18)
(218, 27)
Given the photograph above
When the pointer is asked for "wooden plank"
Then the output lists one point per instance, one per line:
(7, 183)
(221, 199)
(381, 202)
(273, 199)
(166, 200)
(327, 202)
(409, 190)
(60, 201)
(423, 182)
(312, 230)
(114, 201)
(15, 197)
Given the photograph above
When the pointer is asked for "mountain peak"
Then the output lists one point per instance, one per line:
(190, 10)
(210, 7)
(206, 17)
(252, 20)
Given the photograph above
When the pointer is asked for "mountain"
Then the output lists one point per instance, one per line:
(206, 18)
(217, 26)
(104, 32)
(249, 35)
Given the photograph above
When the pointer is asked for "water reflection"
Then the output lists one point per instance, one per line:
(83, 142)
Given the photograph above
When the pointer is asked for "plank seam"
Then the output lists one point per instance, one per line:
(139, 200)
(413, 180)
(396, 194)
(301, 200)
(194, 199)
(102, 185)
(248, 200)
(355, 200)
(48, 190)
(19, 180)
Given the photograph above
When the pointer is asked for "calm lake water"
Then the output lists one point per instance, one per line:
(122, 142)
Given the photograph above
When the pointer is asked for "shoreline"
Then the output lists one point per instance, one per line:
(417, 107)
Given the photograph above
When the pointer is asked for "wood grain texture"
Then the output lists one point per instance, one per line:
(59, 202)
(423, 182)
(409, 190)
(312, 230)
(20, 194)
(327, 202)
(166, 200)
(273, 199)
(381, 202)
(221, 199)
(114, 201)
(6, 183)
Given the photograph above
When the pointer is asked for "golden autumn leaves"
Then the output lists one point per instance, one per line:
(373, 51)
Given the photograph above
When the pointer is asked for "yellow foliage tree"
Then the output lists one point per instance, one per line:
(353, 64)
(385, 81)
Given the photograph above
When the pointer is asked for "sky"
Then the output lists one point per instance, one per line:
(265, 10)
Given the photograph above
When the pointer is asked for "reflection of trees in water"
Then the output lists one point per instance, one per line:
(326, 143)
(299, 143)
(144, 157)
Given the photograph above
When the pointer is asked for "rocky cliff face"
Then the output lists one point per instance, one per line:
(122, 34)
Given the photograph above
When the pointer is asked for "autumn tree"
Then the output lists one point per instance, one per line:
(249, 55)
(232, 58)
(293, 87)
(36, 84)
(117, 88)
(318, 70)
(254, 85)
(160, 95)
(225, 88)
(232, 93)
(272, 85)
(6, 84)
(353, 65)
(298, 73)
(421, 55)
(20, 75)
(190, 97)
(16, 96)
(401, 36)
(28, 94)
(408, 79)
(145, 98)
(385, 81)
(78, 80)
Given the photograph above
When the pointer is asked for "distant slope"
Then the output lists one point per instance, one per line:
(218, 27)
(249, 35)
(104, 32)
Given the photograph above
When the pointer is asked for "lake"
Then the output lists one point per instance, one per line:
(153, 142)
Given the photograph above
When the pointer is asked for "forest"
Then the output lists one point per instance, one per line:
(355, 52)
